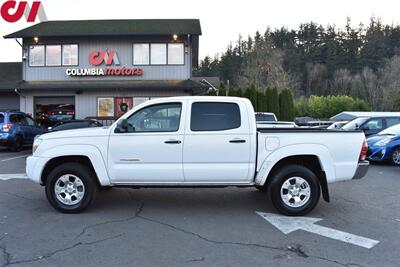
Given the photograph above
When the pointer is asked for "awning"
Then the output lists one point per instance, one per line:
(188, 86)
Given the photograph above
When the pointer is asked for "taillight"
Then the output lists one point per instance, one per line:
(7, 127)
(364, 150)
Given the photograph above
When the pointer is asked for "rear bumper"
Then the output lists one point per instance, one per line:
(362, 170)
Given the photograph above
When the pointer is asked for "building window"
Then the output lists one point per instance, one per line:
(141, 54)
(139, 100)
(53, 55)
(36, 55)
(158, 54)
(176, 54)
(70, 55)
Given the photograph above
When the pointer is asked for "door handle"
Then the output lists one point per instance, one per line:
(237, 141)
(172, 142)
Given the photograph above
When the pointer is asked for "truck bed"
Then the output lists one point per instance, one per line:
(340, 150)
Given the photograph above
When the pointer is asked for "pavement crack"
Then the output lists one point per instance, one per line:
(136, 213)
(298, 250)
(54, 252)
(196, 260)
(6, 256)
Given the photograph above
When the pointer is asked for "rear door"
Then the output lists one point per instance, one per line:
(217, 143)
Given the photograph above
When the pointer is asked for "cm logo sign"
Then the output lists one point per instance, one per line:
(12, 11)
(97, 58)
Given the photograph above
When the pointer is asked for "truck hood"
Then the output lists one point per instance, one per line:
(83, 132)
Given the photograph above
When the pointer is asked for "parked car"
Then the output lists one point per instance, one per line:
(74, 124)
(265, 117)
(372, 125)
(17, 130)
(197, 142)
(276, 124)
(319, 124)
(385, 146)
(337, 125)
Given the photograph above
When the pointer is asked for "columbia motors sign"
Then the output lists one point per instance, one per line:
(110, 60)
(13, 11)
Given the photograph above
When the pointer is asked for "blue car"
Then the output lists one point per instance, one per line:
(17, 130)
(385, 146)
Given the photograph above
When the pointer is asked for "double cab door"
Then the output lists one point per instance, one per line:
(189, 141)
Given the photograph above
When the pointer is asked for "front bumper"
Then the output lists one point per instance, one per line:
(362, 170)
(34, 168)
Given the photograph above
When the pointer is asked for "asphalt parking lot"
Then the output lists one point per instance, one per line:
(194, 227)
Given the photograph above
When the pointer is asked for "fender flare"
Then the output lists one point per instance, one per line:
(89, 151)
(320, 151)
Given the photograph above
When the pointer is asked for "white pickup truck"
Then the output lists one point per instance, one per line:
(196, 142)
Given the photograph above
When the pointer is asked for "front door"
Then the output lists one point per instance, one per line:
(151, 150)
(217, 145)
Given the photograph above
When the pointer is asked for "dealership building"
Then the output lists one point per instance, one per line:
(100, 68)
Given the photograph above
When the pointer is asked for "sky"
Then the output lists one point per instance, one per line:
(222, 20)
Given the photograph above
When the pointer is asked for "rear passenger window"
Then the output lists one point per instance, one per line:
(392, 121)
(213, 116)
(17, 119)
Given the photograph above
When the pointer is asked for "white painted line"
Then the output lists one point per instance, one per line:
(24, 156)
(13, 176)
(289, 224)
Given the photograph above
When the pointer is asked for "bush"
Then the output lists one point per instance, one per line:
(324, 107)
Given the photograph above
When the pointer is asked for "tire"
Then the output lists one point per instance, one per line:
(295, 190)
(395, 156)
(76, 184)
(18, 144)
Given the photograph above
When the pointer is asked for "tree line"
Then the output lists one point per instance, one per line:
(361, 62)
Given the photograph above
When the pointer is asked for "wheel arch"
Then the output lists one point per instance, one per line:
(315, 157)
(87, 155)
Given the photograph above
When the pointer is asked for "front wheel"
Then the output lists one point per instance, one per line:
(295, 190)
(18, 144)
(395, 157)
(71, 187)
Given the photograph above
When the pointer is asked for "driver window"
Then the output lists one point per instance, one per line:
(30, 121)
(374, 124)
(156, 118)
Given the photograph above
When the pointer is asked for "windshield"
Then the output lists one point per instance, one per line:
(354, 124)
(394, 130)
(265, 117)
(1, 118)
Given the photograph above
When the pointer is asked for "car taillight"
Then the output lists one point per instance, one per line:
(7, 127)
(364, 150)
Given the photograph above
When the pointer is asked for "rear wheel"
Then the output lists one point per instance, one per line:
(295, 190)
(18, 144)
(395, 158)
(71, 187)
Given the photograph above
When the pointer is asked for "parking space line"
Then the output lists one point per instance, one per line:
(10, 176)
(8, 159)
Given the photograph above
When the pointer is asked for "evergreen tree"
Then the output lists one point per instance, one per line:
(286, 105)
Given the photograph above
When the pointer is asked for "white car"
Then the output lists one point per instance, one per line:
(195, 142)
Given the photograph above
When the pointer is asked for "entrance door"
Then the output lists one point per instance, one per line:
(50, 110)
(151, 150)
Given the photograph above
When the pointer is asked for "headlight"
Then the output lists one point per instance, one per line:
(36, 143)
(383, 142)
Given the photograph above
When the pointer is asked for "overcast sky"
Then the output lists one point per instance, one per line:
(221, 20)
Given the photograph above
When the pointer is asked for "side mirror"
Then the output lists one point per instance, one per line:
(122, 126)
